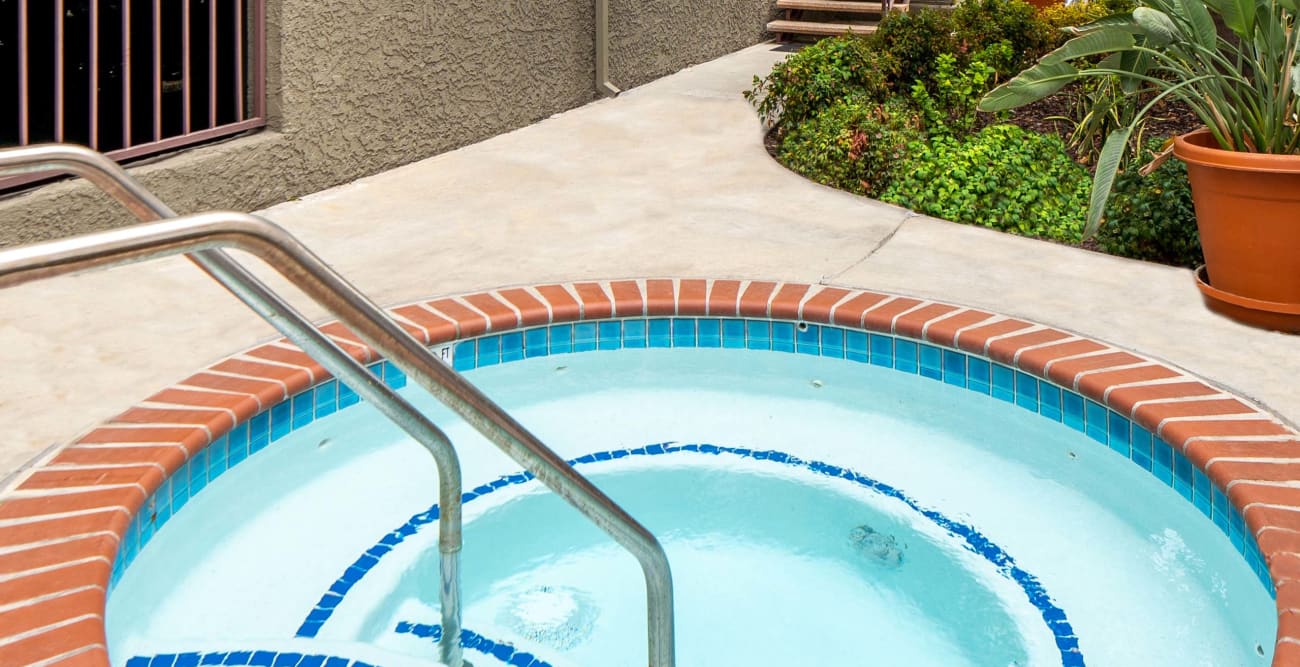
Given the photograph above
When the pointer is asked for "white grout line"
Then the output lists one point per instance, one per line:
(1184, 399)
(284, 388)
(771, 298)
(54, 516)
(66, 656)
(10, 639)
(1015, 361)
(464, 302)
(925, 330)
(893, 323)
(61, 467)
(519, 315)
(572, 291)
(1033, 328)
(9, 576)
(862, 319)
(1110, 369)
(162, 405)
(221, 392)
(311, 377)
(813, 292)
(996, 319)
(546, 303)
(27, 546)
(1291, 484)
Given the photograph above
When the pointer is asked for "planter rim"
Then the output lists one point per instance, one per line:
(1203, 283)
(1199, 147)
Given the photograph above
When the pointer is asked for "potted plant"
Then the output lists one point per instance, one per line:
(1234, 63)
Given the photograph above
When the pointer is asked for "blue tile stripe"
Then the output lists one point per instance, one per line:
(503, 651)
(974, 541)
(952, 367)
(227, 451)
(250, 658)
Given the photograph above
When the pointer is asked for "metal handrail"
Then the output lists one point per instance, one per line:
(205, 233)
(113, 180)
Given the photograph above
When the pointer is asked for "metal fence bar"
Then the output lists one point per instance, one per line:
(212, 63)
(147, 124)
(239, 58)
(259, 59)
(94, 74)
(24, 99)
(58, 70)
(157, 70)
(187, 82)
(126, 72)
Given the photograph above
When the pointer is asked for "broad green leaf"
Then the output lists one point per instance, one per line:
(1107, 165)
(1156, 25)
(1092, 43)
(1031, 85)
(1111, 61)
(1113, 21)
(1202, 23)
(1272, 32)
(1238, 15)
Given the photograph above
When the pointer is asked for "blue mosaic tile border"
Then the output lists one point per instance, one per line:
(933, 362)
(469, 639)
(949, 366)
(243, 441)
(244, 659)
(503, 651)
(975, 542)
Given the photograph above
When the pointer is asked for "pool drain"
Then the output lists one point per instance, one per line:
(876, 547)
(556, 616)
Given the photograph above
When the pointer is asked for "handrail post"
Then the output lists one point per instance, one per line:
(201, 236)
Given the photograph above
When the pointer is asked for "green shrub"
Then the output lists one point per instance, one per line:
(1151, 217)
(947, 101)
(1079, 13)
(1118, 6)
(983, 23)
(913, 42)
(1001, 177)
(855, 145)
(817, 76)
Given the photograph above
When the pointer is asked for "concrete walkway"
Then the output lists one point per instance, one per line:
(670, 179)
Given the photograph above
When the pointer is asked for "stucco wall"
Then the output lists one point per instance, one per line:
(359, 86)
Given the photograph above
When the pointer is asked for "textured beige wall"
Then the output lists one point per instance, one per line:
(359, 86)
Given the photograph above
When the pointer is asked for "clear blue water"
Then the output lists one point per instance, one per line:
(775, 564)
(772, 568)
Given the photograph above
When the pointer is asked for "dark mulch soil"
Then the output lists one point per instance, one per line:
(1054, 115)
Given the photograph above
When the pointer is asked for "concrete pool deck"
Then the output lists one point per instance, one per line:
(670, 179)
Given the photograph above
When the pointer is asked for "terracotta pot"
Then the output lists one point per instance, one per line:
(1248, 216)
(1043, 4)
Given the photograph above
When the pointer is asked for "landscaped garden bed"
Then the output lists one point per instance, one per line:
(893, 116)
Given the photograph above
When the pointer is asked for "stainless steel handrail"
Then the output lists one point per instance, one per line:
(114, 181)
(206, 232)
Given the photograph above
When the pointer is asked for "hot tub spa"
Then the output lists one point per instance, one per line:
(862, 480)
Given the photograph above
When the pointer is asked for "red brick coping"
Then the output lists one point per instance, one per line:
(60, 527)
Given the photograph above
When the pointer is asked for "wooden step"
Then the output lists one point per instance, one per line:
(846, 6)
(817, 28)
